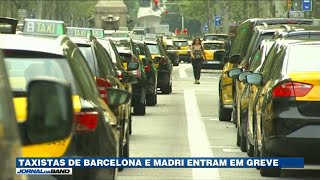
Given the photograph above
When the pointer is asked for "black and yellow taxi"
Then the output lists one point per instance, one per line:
(105, 75)
(150, 70)
(215, 54)
(243, 125)
(52, 54)
(128, 53)
(240, 44)
(244, 122)
(32, 131)
(121, 71)
(182, 46)
(163, 64)
(288, 119)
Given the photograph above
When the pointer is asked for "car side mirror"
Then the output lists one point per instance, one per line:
(128, 77)
(234, 73)
(118, 97)
(242, 76)
(254, 79)
(50, 115)
(132, 66)
(234, 59)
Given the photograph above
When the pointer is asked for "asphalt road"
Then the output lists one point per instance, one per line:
(185, 124)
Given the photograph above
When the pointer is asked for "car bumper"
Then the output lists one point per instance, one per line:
(211, 64)
(184, 57)
(296, 146)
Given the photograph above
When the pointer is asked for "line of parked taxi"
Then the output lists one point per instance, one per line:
(69, 92)
(269, 88)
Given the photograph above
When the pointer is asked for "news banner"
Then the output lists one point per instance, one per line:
(64, 166)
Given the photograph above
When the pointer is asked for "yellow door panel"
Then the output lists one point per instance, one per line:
(226, 85)
(49, 149)
(308, 78)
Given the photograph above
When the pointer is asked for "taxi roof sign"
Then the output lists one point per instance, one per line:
(84, 32)
(43, 27)
(98, 33)
(78, 32)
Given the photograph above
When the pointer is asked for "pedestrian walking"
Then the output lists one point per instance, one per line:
(197, 57)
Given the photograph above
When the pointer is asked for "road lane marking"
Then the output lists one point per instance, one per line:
(182, 72)
(231, 150)
(197, 136)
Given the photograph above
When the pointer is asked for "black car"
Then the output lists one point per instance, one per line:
(163, 65)
(128, 53)
(150, 70)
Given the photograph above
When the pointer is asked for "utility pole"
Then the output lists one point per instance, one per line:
(209, 20)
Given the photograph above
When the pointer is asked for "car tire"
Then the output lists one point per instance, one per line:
(238, 138)
(224, 114)
(130, 124)
(243, 142)
(151, 99)
(126, 147)
(139, 108)
(166, 89)
(250, 147)
(268, 172)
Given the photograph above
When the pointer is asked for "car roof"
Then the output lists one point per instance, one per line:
(151, 42)
(207, 42)
(180, 40)
(271, 21)
(22, 42)
(80, 40)
(213, 34)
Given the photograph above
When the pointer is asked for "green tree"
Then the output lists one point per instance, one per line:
(133, 7)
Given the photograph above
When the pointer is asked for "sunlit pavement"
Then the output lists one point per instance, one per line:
(185, 124)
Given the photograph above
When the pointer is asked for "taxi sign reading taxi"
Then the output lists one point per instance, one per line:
(78, 32)
(43, 27)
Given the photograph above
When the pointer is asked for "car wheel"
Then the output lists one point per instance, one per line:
(139, 108)
(166, 89)
(268, 172)
(224, 114)
(126, 147)
(130, 124)
(238, 138)
(250, 148)
(151, 99)
(243, 142)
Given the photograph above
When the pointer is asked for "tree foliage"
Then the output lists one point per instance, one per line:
(133, 7)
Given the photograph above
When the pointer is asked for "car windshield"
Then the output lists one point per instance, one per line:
(215, 37)
(154, 49)
(22, 70)
(304, 58)
(181, 43)
(212, 46)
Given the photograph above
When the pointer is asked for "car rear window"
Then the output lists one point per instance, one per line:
(304, 58)
(22, 69)
(181, 43)
(212, 46)
(154, 49)
(215, 37)
(88, 53)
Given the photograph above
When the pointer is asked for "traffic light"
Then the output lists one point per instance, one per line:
(156, 2)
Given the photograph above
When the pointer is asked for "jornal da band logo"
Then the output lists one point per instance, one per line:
(51, 171)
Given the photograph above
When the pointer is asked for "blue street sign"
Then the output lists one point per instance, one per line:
(306, 5)
(217, 21)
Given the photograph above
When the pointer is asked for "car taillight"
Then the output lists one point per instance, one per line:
(292, 89)
(86, 121)
(119, 74)
(136, 73)
(102, 87)
(147, 68)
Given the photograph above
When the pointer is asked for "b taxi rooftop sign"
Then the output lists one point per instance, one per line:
(84, 32)
(43, 27)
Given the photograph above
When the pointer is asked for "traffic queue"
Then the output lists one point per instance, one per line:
(68, 92)
(269, 88)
